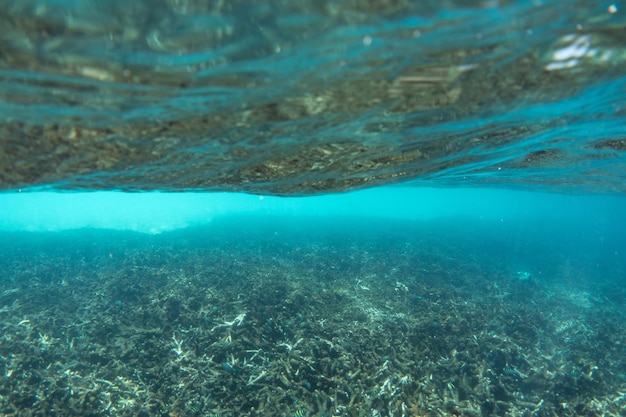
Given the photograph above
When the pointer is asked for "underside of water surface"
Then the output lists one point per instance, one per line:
(293, 98)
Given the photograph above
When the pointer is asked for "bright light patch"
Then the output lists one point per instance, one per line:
(568, 56)
(159, 212)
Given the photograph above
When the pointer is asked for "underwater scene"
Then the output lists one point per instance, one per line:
(427, 310)
(312, 208)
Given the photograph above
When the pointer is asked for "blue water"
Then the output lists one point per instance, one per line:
(476, 267)
(483, 302)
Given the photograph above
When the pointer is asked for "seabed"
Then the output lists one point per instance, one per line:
(258, 321)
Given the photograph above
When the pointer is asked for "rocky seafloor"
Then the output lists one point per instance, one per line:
(392, 320)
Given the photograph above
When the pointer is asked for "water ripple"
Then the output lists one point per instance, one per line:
(314, 96)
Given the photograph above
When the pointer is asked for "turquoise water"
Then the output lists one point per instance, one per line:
(457, 246)
(397, 301)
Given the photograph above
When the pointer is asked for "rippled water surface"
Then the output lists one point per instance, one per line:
(286, 97)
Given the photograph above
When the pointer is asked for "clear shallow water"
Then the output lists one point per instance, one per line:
(392, 301)
(307, 314)
(158, 212)
(307, 97)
